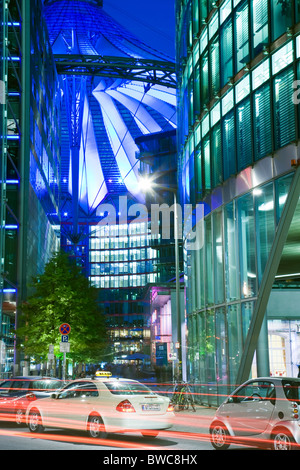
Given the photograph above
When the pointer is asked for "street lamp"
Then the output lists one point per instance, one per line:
(147, 184)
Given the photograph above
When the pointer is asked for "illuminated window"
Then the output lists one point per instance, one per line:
(261, 74)
(262, 122)
(225, 10)
(284, 108)
(242, 36)
(242, 89)
(282, 58)
(227, 102)
(213, 25)
(226, 52)
(260, 25)
(203, 41)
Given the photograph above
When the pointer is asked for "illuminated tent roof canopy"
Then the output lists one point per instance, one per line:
(115, 111)
(83, 27)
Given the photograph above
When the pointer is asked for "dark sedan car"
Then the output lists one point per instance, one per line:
(16, 394)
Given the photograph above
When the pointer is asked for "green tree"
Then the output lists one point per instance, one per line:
(62, 294)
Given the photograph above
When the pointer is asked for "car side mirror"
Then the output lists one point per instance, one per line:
(230, 400)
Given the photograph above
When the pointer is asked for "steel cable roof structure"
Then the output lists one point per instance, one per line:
(116, 89)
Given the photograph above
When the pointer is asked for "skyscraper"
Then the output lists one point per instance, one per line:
(30, 161)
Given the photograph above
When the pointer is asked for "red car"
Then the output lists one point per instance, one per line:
(16, 394)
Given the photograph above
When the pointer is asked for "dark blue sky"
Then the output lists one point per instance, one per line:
(152, 21)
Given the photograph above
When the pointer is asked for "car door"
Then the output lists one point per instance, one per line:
(5, 388)
(251, 408)
(57, 412)
(74, 403)
(86, 398)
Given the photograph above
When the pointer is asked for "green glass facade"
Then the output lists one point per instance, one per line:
(239, 124)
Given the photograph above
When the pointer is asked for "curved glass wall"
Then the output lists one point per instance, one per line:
(222, 280)
(238, 124)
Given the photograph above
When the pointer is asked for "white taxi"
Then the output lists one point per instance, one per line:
(101, 406)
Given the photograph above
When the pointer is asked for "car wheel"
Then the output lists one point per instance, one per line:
(96, 428)
(219, 436)
(34, 422)
(20, 417)
(282, 440)
(150, 434)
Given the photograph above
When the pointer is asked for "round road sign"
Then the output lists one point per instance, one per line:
(64, 329)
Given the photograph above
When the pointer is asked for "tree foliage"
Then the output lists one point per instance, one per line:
(62, 294)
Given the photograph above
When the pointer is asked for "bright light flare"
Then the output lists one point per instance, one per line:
(146, 184)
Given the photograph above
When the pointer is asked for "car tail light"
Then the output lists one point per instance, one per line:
(125, 407)
(170, 407)
(295, 411)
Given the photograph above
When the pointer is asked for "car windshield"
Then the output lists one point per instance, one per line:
(46, 385)
(128, 388)
(292, 390)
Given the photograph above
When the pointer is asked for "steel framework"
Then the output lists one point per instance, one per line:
(144, 70)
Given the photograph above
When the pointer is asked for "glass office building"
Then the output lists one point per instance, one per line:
(238, 66)
(30, 162)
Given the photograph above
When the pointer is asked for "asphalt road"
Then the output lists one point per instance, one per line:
(189, 433)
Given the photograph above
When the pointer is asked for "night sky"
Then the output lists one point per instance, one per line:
(152, 21)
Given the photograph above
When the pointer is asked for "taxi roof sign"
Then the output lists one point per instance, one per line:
(102, 373)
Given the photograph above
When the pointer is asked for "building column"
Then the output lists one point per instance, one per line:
(262, 351)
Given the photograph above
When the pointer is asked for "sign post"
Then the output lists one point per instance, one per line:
(64, 330)
(51, 359)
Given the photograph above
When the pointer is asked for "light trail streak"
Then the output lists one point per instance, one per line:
(78, 440)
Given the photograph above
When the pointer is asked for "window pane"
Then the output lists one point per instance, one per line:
(247, 246)
(234, 329)
(228, 145)
(282, 188)
(221, 351)
(209, 288)
(215, 67)
(207, 164)
(247, 310)
(197, 103)
(265, 225)
(260, 25)
(227, 102)
(244, 135)
(282, 58)
(281, 17)
(225, 10)
(262, 122)
(218, 256)
(210, 352)
(204, 79)
(242, 36)
(198, 163)
(261, 74)
(231, 253)
(213, 25)
(216, 157)
(284, 108)
(226, 53)
(203, 41)
(242, 89)
(215, 114)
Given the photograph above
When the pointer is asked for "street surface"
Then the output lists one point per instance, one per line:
(190, 433)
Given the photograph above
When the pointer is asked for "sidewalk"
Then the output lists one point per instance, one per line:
(200, 410)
